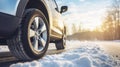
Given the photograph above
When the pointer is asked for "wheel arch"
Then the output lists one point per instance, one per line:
(39, 4)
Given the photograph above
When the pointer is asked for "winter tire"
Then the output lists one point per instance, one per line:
(32, 37)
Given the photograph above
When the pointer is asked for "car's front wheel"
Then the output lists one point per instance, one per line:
(32, 37)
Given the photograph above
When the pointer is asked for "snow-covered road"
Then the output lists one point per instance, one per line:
(79, 54)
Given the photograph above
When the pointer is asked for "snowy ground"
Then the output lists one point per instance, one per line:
(116, 40)
(86, 54)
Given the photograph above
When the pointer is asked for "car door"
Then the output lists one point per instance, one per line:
(57, 19)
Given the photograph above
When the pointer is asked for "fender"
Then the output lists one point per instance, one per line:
(23, 4)
(21, 8)
(46, 3)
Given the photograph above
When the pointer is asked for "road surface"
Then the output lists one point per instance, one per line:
(111, 48)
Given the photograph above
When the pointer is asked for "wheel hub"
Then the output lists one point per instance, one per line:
(37, 33)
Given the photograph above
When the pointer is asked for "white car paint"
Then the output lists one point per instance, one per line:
(9, 6)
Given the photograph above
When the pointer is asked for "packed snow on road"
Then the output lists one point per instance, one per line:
(77, 54)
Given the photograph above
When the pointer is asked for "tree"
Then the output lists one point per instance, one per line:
(111, 25)
(108, 27)
(116, 17)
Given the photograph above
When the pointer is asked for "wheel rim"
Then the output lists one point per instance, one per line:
(38, 34)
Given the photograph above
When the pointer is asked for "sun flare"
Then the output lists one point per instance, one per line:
(91, 26)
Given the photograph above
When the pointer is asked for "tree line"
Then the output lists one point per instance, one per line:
(110, 29)
(111, 24)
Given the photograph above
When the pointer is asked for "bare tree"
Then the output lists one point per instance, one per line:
(116, 17)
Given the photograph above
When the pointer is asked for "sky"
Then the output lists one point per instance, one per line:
(87, 13)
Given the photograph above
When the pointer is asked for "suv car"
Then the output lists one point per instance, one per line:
(27, 26)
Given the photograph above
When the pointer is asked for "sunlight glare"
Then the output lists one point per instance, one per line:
(91, 26)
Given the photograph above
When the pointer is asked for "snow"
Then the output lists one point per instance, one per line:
(86, 54)
(4, 49)
(116, 40)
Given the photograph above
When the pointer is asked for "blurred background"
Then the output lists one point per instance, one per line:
(92, 19)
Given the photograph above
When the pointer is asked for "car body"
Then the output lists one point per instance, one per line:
(12, 18)
(12, 14)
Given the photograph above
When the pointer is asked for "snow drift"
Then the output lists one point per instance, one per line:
(86, 55)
